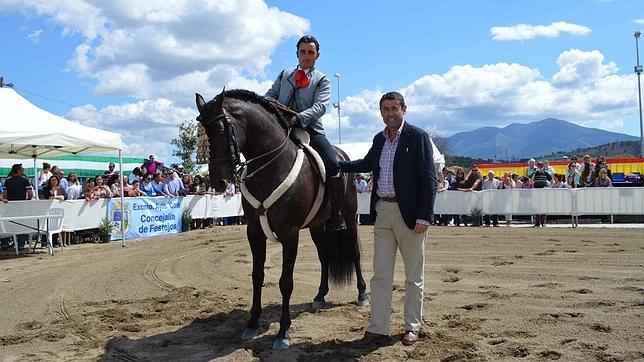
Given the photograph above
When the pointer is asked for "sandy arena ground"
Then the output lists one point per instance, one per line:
(491, 294)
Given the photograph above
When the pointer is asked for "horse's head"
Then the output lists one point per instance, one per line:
(224, 148)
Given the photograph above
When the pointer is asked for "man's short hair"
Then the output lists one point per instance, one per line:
(308, 39)
(394, 96)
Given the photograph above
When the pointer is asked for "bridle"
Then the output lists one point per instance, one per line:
(237, 166)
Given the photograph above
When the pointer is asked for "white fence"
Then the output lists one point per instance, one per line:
(80, 214)
(583, 201)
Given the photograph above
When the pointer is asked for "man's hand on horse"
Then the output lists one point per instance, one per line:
(295, 122)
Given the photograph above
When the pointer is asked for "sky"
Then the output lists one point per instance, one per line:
(134, 66)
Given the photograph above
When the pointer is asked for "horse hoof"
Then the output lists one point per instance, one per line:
(281, 343)
(249, 334)
(363, 302)
(318, 304)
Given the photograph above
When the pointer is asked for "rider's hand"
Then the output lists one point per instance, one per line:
(295, 122)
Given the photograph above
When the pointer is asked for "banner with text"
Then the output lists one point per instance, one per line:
(143, 217)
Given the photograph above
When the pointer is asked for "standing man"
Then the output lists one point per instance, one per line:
(402, 202)
(307, 91)
(17, 187)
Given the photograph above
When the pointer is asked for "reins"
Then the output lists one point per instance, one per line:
(238, 167)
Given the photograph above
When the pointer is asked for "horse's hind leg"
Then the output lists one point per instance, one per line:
(257, 241)
(289, 240)
(319, 238)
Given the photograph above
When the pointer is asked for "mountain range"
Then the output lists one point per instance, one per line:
(519, 141)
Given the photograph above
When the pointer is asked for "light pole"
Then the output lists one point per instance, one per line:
(638, 70)
(337, 105)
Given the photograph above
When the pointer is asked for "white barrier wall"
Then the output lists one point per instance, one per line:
(80, 214)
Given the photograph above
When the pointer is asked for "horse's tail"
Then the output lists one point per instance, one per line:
(342, 246)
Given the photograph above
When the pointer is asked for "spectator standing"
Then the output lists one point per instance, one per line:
(109, 172)
(43, 176)
(135, 175)
(603, 180)
(101, 190)
(74, 189)
(61, 179)
(151, 165)
(490, 183)
(601, 163)
(557, 181)
(460, 185)
(507, 183)
(531, 167)
(147, 186)
(361, 184)
(442, 185)
(159, 185)
(53, 191)
(570, 183)
(549, 169)
(517, 181)
(16, 188)
(587, 175)
(473, 179)
(173, 183)
(540, 179)
(135, 190)
(88, 190)
(181, 171)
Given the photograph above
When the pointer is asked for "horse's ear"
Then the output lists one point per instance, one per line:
(219, 100)
(200, 102)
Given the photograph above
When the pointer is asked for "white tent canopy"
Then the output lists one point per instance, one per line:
(358, 150)
(27, 131)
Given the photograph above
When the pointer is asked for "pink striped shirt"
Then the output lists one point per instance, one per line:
(386, 162)
(386, 177)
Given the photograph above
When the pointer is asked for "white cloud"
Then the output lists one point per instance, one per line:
(34, 36)
(585, 90)
(132, 47)
(146, 126)
(526, 31)
(638, 21)
(577, 66)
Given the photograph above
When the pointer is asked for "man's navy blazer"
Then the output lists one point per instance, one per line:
(414, 173)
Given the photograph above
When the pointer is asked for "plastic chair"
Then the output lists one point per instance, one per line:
(55, 226)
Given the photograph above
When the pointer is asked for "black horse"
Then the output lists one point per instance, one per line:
(241, 122)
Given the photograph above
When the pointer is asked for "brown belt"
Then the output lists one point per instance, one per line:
(389, 199)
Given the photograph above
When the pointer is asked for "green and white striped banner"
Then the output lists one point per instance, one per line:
(81, 165)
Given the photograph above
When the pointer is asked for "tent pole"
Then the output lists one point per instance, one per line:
(35, 180)
(122, 201)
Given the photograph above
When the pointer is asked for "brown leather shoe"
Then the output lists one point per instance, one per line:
(369, 339)
(409, 338)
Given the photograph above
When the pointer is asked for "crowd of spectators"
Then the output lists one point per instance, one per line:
(538, 174)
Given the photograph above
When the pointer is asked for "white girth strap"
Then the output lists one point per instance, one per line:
(320, 195)
(274, 196)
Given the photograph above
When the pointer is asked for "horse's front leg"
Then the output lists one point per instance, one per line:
(289, 240)
(319, 238)
(257, 241)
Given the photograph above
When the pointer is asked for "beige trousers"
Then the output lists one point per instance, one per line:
(390, 234)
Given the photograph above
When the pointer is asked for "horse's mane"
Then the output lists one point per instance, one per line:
(250, 96)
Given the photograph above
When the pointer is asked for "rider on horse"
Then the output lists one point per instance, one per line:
(307, 91)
